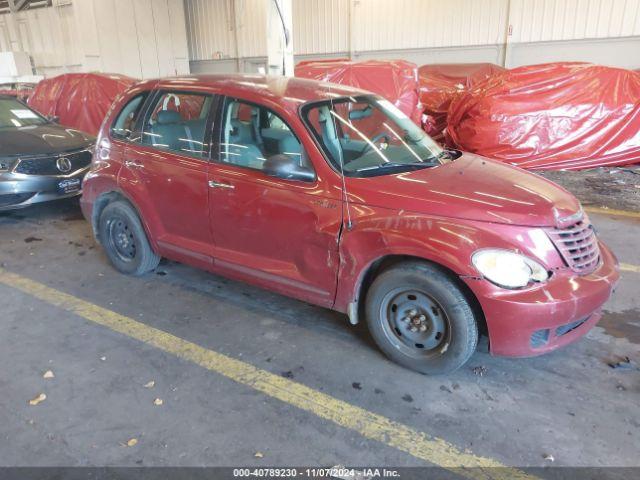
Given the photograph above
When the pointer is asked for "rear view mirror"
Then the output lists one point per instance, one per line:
(286, 167)
(360, 114)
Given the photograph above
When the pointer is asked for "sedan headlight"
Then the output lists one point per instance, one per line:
(508, 269)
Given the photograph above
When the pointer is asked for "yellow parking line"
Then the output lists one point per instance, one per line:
(627, 267)
(370, 425)
(612, 211)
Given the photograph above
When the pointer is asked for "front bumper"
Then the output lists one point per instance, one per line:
(524, 323)
(20, 190)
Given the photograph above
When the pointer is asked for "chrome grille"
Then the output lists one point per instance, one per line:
(48, 165)
(578, 246)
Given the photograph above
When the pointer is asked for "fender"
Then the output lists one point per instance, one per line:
(380, 233)
(134, 191)
(115, 190)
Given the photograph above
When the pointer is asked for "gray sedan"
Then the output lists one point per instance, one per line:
(39, 159)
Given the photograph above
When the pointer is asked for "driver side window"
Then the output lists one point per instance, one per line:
(251, 134)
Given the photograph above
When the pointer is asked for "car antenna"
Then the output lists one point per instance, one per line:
(345, 194)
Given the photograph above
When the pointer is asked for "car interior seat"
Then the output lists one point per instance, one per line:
(329, 134)
(241, 148)
(166, 130)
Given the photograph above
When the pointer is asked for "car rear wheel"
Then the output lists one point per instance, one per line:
(125, 240)
(421, 319)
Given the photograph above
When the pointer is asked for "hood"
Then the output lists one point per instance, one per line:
(45, 139)
(472, 188)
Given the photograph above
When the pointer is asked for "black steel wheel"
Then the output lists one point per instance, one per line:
(120, 238)
(420, 318)
(125, 241)
(414, 322)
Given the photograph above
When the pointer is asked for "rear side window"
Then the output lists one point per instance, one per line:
(127, 118)
(177, 123)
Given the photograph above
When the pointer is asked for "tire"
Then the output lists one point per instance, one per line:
(125, 240)
(420, 296)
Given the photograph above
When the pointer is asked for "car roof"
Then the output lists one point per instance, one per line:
(289, 90)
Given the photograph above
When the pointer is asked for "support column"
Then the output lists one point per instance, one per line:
(280, 37)
(506, 47)
(15, 39)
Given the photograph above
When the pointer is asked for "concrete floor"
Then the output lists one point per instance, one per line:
(568, 404)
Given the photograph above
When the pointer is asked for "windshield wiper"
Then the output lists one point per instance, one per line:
(396, 165)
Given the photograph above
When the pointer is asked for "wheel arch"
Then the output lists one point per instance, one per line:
(111, 196)
(382, 263)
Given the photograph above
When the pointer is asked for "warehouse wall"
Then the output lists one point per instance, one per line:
(160, 37)
(514, 32)
(140, 38)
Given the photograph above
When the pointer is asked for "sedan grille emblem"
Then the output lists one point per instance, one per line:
(64, 164)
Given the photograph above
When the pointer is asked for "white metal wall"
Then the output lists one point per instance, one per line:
(424, 30)
(320, 26)
(549, 20)
(409, 24)
(140, 38)
(146, 38)
(214, 26)
(48, 35)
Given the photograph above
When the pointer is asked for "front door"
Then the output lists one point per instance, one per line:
(281, 234)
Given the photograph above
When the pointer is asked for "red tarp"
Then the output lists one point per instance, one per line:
(395, 80)
(79, 100)
(188, 106)
(551, 116)
(441, 83)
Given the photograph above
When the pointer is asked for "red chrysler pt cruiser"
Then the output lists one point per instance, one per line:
(333, 196)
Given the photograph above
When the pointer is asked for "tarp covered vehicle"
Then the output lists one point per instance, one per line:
(79, 100)
(551, 116)
(441, 83)
(395, 80)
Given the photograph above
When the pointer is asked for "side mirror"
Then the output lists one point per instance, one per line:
(285, 167)
(53, 118)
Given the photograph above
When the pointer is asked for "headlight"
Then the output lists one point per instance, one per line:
(508, 269)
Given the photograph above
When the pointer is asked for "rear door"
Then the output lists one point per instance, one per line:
(282, 234)
(123, 129)
(168, 168)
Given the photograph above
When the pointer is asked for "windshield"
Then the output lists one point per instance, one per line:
(14, 114)
(370, 136)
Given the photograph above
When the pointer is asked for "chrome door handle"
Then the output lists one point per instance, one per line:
(130, 164)
(214, 184)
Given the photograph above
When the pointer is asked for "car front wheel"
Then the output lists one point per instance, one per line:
(421, 319)
(125, 240)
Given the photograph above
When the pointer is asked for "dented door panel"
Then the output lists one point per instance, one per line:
(280, 234)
